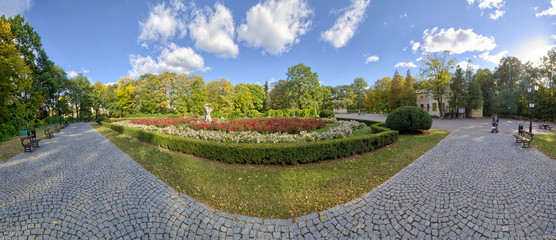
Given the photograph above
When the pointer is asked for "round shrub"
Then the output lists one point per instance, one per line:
(409, 119)
(326, 114)
(102, 118)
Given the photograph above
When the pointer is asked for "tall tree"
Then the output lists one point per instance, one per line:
(125, 95)
(409, 97)
(435, 71)
(303, 87)
(257, 95)
(475, 95)
(266, 88)
(377, 98)
(326, 97)
(396, 91)
(360, 88)
(458, 93)
(508, 75)
(13, 71)
(220, 95)
(243, 100)
(485, 78)
(279, 97)
(97, 91)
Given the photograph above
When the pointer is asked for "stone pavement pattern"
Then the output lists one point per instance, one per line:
(78, 185)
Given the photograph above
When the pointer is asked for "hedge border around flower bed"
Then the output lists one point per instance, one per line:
(268, 153)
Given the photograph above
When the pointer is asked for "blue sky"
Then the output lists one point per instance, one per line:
(255, 41)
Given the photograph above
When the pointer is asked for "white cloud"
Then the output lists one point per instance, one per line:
(551, 11)
(533, 50)
(419, 59)
(457, 41)
(14, 7)
(372, 59)
(493, 58)
(463, 65)
(72, 74)
(495, 5)
(405, 65)
(172, 59)
(553, 37)
(214, 31)
(345, 26)
(162, 23)
(414, 45)
(275, 25)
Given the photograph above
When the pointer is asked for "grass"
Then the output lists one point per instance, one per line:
(12, 147)
(546, 143)
(277, 191)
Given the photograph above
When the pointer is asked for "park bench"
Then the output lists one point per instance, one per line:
(545, 126)
(48, 133)
(31, 140)
(65, 124)
(520, 138)
(57, 128)
(34, 138)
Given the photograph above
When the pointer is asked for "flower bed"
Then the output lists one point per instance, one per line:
(260, 125)
(265, 153)
(341, 129)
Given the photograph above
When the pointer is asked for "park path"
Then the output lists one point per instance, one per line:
(473, 184)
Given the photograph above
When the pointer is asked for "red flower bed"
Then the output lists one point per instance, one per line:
(261, 125)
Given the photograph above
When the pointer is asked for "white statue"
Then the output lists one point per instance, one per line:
(208, 109)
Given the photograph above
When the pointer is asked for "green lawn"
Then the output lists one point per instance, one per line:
(276, 191)
(12, 147)
(546, 143)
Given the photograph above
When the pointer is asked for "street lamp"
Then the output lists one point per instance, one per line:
(532, 90)
(26, 96)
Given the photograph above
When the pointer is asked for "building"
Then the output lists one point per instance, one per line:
(426, 102)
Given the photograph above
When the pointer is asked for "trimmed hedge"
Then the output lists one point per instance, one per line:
(251, 153)
(409, 119)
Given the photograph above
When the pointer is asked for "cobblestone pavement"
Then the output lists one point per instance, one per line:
(78, 185)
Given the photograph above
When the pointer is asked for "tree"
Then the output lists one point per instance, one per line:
(436, 72)
(257, 95)
(220, 94)
(279, 97)
(458, 93)
(507, 77)
(377, 96)
(409, 97)
(396, 91)
(97, 91)
(345, 93)
(125, 95)
(13, 71)
(548, 84)
(242, 98)
(110, 100)
(80, 90)
(359, 87)
(303, 87)
(475, 95)
(326, 97)
(485, 79)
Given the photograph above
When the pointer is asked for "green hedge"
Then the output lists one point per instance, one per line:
(248, 153)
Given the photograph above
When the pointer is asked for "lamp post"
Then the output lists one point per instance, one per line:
(26, 96)
(532, 90)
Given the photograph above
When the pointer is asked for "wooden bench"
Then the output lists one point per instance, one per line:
(26, 146)
(520, 138)
(34, 139)
(48, 133)
(545, 126)
(57, 128)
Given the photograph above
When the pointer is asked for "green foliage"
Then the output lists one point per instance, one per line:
(396, 92)
(7, 131)
(102, 118)
(283, 153)
(435, 71)
(242, 98)
(458, 93)
(377, 96)
(359, 87)
(326, 113)
(303, 87)
(409, 119)
(409, 98)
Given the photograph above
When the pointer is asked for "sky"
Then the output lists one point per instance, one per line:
(256, 41)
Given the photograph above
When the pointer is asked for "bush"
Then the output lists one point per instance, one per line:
(271, 153)
(7, 131)
(409, 119)
(102, 118)
(326, 114)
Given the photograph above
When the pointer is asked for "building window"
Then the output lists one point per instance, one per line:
(434, 107)
(423, 106)
(428, 107)
(422, 97)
